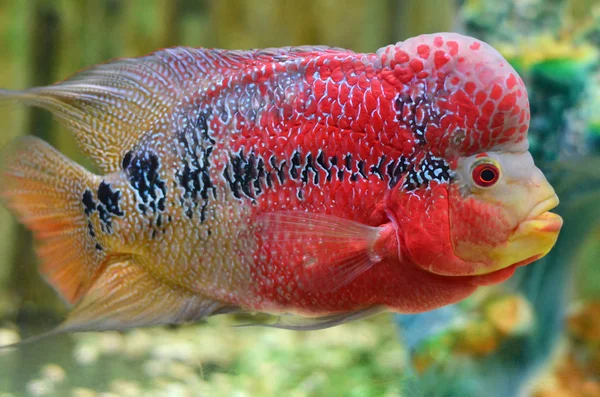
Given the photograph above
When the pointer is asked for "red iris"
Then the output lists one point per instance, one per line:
(485, 175)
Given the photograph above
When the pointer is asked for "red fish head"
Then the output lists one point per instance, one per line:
(474, 202)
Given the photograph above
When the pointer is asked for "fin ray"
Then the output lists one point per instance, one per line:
(111, 106)
(44, 189)
(342, 249)
(300, 323)
(125, 296)
(108, 107)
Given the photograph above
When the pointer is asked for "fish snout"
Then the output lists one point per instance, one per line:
(533, 237)
(540, 219)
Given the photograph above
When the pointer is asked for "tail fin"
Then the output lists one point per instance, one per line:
(109, 290)
(44, 189)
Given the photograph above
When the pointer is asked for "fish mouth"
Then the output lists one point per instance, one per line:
(543, 206)
(540, 220)
(531, 240)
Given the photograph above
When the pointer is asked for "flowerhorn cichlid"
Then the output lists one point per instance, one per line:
(312, 183)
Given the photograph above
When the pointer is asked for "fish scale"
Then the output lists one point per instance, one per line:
(311, 180)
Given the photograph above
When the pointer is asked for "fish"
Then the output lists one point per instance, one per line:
(312, 183)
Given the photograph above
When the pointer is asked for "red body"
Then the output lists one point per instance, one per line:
(334, 132)
(309, 179)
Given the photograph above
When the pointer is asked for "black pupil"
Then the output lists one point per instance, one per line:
(488, 175)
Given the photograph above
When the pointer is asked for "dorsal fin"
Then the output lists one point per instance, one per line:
(109, 107)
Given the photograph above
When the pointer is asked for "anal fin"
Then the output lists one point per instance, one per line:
(296, 322)
(126, 296)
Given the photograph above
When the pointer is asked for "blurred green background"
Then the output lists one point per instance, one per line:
(552, 43)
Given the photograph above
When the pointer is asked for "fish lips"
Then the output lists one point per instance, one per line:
(537, 234)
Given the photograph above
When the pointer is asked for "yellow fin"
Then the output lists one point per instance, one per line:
(125, 296)
(301, 323)
(44, 189)
(109, 107)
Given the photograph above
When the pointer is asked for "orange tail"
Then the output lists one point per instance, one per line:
(110, 290)
(44, 189)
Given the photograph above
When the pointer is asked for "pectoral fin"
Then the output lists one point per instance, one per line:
(340, 250)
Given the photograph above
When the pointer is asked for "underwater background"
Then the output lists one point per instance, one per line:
(536, 335)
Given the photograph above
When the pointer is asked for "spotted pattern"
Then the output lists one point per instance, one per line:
(90, 207)
(430, 168)
(194, 174)
(249, 176)
(142, 171)
(107, 206)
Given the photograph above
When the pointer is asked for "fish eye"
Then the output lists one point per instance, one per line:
(485, 173)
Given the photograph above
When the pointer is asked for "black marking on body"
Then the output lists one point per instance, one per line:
(108, 205)
(361, 169)
(203, 212)
(88, 202)
(127, 159)
(145, 178)
(260, 176)
(416, 113)
(143, 175)
(194, 174)
(243, 176)
(321, 163)
(279, 169)
(91, 229)
(295, 164)
(395, 169)
(309, 166)
(109, 199)
(377, 169)
(430, 168)
(89, 207)
(348, 162)
(142, 169)
(248, 175)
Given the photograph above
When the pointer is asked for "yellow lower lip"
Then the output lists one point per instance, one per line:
(548, 222)
(534, 238)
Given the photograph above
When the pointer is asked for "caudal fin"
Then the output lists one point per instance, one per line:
(44, 189)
